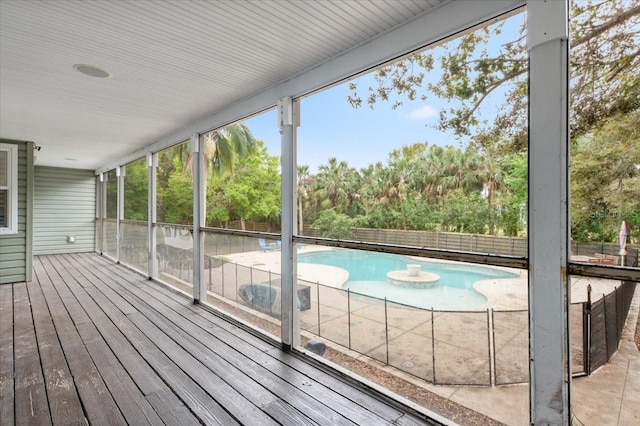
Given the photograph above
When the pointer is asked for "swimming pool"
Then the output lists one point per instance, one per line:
(368, 276)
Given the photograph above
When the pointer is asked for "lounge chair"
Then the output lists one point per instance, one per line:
(264, 246)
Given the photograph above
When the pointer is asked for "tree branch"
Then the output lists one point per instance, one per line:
(493, 87)
(618, 19)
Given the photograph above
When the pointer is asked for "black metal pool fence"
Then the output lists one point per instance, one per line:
(442, 347)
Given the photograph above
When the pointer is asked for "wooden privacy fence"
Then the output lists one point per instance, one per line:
(489, 244)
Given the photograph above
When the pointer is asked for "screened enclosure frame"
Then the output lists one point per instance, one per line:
(548, 259)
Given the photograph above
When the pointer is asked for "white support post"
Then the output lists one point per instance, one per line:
(152, 164)
(288, 121)
(104, 177)
(120, 172)
(199, 288)
(549, 293)
(98, 222)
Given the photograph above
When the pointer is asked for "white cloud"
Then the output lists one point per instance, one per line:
(424, 113)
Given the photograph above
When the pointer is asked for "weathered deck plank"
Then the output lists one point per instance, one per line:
(166, 404)
(96, 399)
(6, 354)
(207, 409)
(259, 385)
(113, 348)
(347, 402)
(286, 382)
(64, 402)
(199, 402)
(31, 407)
(221, 378)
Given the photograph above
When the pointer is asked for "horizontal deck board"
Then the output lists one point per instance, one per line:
(6, 354)
(115, 348)
(165, 402)
(132, 403)
(199, 402)
(64, 402)
(248, 376)
(345, 401)
(234, 381)
(31, 405)
(97, 401)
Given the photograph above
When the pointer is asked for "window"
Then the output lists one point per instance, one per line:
(8, 189)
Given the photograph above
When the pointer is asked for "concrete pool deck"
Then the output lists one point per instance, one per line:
(608, 397)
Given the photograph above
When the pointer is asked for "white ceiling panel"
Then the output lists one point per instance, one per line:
(171, 63)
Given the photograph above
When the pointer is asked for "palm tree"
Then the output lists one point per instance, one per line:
(223, 148)
(222, 151)
(434, 169)
(491, 173)
(334, 184)
(370, 186)
(305, 191)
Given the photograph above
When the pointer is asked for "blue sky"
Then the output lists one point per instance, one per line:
(331, 127)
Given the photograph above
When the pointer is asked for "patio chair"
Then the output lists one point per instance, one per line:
(265, 246)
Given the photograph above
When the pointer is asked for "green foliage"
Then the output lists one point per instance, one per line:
(251, 192)
(136, 184)
(173, 187)
(605, 180)
(334, 225)
(112, 195)
(469, 214)
(514, 196)
(176, 202)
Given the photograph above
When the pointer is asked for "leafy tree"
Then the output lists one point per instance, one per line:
(112, 195)
(604, 78)
(169, 173)
(334, 225)
(422, 215)
(223, 148)
(605, 178)
(304, 193)
(177, 200)
(136, 182)
(466, 213)
(251, 192)
(515, 193)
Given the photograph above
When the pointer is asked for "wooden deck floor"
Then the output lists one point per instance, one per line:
(88, 341)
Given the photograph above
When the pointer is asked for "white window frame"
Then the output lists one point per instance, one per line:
(12, 188)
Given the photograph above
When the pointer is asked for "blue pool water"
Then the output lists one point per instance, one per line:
(368, 276)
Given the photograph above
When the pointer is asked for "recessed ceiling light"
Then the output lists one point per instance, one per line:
(91, 71)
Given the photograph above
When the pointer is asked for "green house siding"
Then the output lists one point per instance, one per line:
(64, 206)
(15, 249)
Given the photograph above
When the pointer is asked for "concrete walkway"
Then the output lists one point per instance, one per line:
(610, 396)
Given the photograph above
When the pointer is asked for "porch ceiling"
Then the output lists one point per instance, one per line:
(170, 64)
